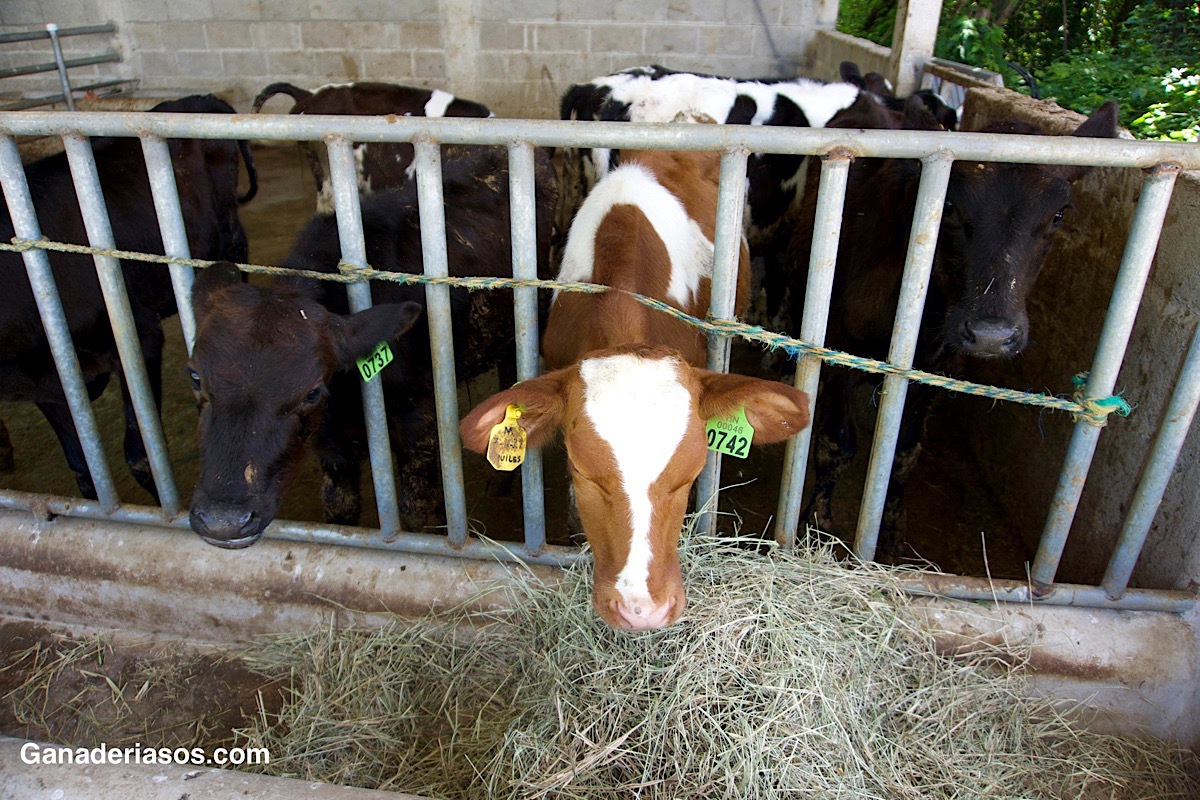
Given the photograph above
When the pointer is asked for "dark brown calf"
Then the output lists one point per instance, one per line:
(273, 367)
(206, 174)
(379, 166)
(997, 228)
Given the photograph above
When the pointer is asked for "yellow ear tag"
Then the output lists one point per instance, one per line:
(506, 443)
(730, 435)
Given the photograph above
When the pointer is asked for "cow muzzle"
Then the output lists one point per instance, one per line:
(229, 527)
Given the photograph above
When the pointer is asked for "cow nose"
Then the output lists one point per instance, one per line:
(226, 526)
(991, 336)
(646, 615)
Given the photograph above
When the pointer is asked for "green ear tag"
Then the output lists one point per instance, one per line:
(730, 435)
(374, 361)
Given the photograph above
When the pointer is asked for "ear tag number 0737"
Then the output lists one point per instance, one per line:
(373, 362)
(506, 443)
(730, 435)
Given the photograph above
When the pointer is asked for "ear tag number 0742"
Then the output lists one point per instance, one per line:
(373, 362)
(730, 435)
(506, 443)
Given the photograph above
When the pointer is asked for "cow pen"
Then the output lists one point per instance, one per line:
(836, 148)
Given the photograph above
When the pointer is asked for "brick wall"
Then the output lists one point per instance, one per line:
(517, 56)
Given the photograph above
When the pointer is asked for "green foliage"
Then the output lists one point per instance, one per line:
(1143, 53)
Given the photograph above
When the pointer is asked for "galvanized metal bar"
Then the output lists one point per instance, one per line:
(50, 100)
(441, 335)
(1164, 454)
(354, 251)
(51, 66)
(755, 138)
(1066, 594)
(727, 244)
(1114, 338)
(60, 63)
(827, 228)
(81, 30)
(523, 211)
(172, 228)
(120, 316)
(431, 544)
(54, 321)
(927, 219)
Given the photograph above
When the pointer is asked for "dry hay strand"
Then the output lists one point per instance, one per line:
(789, 674)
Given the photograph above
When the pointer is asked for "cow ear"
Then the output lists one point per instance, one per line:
(1102, 124)
(775, 410)
(543, 402)
(356, 335)
(851, 74)
(209, 281)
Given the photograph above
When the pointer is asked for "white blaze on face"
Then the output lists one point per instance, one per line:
(641, 409)
(690, 251)
(437, 103)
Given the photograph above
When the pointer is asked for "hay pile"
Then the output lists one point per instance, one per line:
(790, 674)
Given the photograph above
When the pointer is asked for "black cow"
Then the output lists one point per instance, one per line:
(206, 174)
(379, 166)
(273, 368)
(997, 228)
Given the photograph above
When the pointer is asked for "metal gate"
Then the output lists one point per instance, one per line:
(836, 148)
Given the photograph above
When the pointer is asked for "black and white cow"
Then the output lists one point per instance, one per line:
(379, 166)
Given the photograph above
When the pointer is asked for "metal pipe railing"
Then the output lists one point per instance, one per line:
(354, 252)
(61, 65)
(731, 202)
(54, 322)
(523, 214)
(1110, 353)
(927, 220)
(733, 141)
(120, 316)
(53, 66)
(174, 232)
(827, 229)
(80, 30)
(441, 335)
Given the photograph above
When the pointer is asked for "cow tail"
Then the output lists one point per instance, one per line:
(295, 92)
(244, 146)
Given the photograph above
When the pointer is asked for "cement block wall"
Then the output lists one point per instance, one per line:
(516, 56)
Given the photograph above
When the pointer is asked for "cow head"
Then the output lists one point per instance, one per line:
(261, 370)
(634, 422)
(997, 228)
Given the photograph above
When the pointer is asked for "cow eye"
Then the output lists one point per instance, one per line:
(1058, 216)
(194, 377)
(313, 397)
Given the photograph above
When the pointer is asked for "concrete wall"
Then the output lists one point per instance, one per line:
(517, 56)
(1021, 450)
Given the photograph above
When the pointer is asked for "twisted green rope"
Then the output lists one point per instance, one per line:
(1092, 410)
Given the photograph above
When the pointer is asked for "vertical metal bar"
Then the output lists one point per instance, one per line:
(827, 228)
(927, 219)
(56, 46)
(354, 251)
(1114, 338)
(1177, 421)
(441, 335)
(523, 212)
(731, 203)
(172, 228)
(54, 320)
(120, 316)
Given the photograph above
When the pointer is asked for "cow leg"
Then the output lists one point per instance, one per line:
(341, 495)
(422, 504)
(6, 449)
(835, 444)
(151, 339)
(59, 417)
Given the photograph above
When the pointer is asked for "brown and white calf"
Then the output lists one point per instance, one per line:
(628, 388)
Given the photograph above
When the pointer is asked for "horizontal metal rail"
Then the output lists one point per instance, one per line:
(80, 30)
(938, 150)
(52, 66)
(557, 133)
(49, 100)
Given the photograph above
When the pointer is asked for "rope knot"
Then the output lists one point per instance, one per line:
(1096, 409)
(355, 272)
